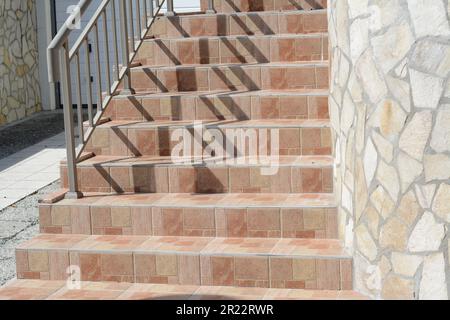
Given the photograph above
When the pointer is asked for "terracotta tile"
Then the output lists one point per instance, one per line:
(95, 179)
(222, 271)
(171, 222)
(292, 222)
(312, 180)
(314, 219)
(58, 264)
(263, 219)
(346, 270)
(294, 107)
(141, 221)
(120, 179)
(121, 217)
(236, 220)
(166, 265)
(252, 268)
(332, 224)
(315, 23)
(199, 218)
(90, 265)
(145, 267)
(80, 220)
(328, 275)
(304, 269)
(299, 78)
(322, 78)
(60, 216)
(212, 180)
(284, 49)
(281, 269)
(118, 142)
(182, 180)
(186, 52)
(101, 218)
(38, 261)
(189, 270)
(22, 261)
(206, 271)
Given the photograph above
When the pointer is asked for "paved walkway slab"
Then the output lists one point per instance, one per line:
(31, 169)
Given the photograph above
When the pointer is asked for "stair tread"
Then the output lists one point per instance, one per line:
(321, 63)
(231, 200)
(292, 248)
(58, 290)
(265, 12)
(282, 161)
(250, 36)
(226, 124)
(296, 92)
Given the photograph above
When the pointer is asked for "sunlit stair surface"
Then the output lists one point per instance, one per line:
(149, 227)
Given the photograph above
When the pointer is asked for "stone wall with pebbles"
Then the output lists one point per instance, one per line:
(19, 78)
(390, 109)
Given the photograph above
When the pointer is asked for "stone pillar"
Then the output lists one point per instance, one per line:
(19, 85)
(390, 110)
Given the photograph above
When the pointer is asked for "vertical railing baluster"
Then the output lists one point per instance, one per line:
(138, 20)
(125, 47)
(79, 100)
(151, 11)
(98, 69)
(170, 11)
(116, 49)
(145, 14)
(210, 9)
(69, 123)
(89, 85)
(106, 38)
(130, 9)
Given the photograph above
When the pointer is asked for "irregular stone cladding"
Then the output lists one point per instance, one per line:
(19, 78)
(390, 112)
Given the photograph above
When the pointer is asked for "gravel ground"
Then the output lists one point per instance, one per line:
(19, 223)
(20, 135)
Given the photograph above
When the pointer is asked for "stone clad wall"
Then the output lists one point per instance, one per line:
(19, 78)
(390, 109)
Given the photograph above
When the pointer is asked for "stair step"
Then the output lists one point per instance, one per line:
(229, 24)
(246, 105)
(222, 215)
(233, 49)
(229, 6)
(234, 77)
(211, 175)
(58, 290)
(160, 138)
(268, 263)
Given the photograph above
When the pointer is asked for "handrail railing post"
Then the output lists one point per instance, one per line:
(210, 9)
(127, 90)
(170, 10)
(74, 192)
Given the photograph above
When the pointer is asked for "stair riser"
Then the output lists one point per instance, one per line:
(188, 269)
(264, 23)
(230, 78)
(232, 50)
(229, 6)
(311, 223)
(202, 180)
(247, 107)
(123, 141)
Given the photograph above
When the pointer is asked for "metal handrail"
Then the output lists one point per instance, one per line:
(60, 57)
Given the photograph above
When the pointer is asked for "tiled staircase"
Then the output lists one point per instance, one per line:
(215, 227)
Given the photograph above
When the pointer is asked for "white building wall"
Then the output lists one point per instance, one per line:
(61, 16)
